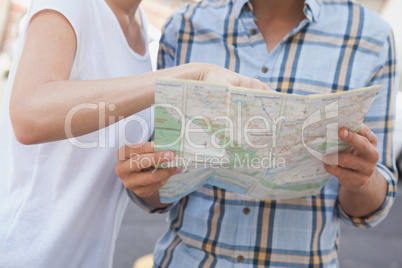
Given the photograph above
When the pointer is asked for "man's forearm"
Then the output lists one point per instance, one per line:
(366, 201)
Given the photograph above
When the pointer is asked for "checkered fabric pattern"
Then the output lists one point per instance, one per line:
(339, 46)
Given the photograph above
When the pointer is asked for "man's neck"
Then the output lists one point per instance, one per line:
(271, 10)
(276, 18)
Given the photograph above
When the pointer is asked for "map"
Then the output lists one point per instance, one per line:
(263, 144)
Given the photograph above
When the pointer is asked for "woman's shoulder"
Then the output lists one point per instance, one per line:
(75, 11)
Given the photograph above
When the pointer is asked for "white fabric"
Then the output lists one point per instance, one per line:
(60, 205)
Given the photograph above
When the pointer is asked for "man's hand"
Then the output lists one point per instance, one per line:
(363, 189)
(137, 170)
(357, 166)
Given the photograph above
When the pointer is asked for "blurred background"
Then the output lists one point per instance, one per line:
(373, 248)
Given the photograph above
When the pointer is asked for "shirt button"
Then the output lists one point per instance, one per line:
(264, 70)
(240, 259)
(253, 31)
(246, 211)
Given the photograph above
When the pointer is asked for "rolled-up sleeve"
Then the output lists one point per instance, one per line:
(381, 119)
(137, 200)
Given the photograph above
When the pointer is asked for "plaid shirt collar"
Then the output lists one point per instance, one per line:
(312, 8)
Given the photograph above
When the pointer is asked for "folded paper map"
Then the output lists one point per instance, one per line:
(263, 144)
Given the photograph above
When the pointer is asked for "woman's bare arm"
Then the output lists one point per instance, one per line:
(42, 95)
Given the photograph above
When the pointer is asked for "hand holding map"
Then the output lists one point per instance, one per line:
(264, 144)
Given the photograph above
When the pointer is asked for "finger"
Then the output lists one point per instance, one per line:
(145, 179)
(257, 84)
(139, 162)
(361, 144)
(148, 191)
(266, 87)
(350, 161)
(365, 131)
(243, 81)
(139, 148)
(348, 178)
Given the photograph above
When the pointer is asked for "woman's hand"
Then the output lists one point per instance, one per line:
(137, 170)
(42, 81)
(216, 74)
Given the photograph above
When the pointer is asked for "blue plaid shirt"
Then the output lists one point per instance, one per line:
(339, 46)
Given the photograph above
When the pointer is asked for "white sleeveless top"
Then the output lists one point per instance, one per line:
(62, 205)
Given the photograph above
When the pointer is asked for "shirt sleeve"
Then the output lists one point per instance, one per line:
(137, 200)
(168, 42)
(381, 119)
